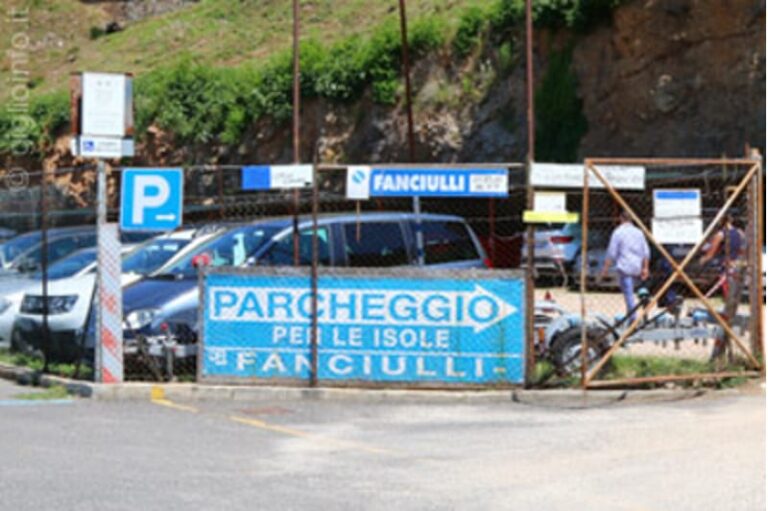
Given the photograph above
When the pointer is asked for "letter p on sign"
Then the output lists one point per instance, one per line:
(151, 199)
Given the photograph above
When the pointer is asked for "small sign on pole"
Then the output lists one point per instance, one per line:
(151, 199)
(101, 108)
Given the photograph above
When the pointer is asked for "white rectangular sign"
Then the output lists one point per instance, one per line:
(106, 99)
(102, 147)
(678, 230)
(291, 176)
(676, 203)
(358, 182)
(549, 201)
(571, 175)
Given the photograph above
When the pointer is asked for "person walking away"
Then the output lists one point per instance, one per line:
(629, 250)
(729, 246)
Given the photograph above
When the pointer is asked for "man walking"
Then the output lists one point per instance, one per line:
(728, 245)
(629, 250)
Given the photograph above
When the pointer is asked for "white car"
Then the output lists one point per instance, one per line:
(70, 298)
(161, 251)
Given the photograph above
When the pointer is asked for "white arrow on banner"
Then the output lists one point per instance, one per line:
(477, 308)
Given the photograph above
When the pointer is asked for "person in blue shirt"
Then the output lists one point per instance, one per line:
(629, 251)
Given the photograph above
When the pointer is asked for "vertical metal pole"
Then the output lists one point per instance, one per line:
(220, 186)
(314, 328)
(409, 114)
(101, 221)
(407, 76)
(758, 268)
(296, 126)
(583, 283)
(492, 229)
(531, 157)
(529, 80)
(44, 266)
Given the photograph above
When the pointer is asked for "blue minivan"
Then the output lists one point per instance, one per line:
(170, 300)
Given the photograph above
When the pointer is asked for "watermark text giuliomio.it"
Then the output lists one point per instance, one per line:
(17, 106)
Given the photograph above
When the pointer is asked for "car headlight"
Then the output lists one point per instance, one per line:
(140, 318)
(33, 304)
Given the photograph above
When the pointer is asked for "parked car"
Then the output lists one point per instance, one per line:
(15, 248)
(595, 261)
(162, 250)
(12, 291)
(23, 254)
(72, 281)
(168, 301)
(557, 247)
(69, 301)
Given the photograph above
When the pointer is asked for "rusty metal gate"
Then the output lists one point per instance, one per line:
(689, 303)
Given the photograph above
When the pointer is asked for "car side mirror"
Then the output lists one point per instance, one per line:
(27, 265)
(201, 260)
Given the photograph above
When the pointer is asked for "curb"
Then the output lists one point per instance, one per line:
(140, 391)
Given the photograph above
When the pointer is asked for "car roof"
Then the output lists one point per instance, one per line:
(332, 218)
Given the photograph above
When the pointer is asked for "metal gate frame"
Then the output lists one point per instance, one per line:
(753, 174)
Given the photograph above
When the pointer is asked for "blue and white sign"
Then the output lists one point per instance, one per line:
(364, 182)
(151, 199)
(677, 215)
(276, 177)
(373, 329)
(676, 203)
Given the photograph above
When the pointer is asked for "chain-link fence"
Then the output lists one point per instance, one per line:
(670, 289)
(47, 220)
(228, 224)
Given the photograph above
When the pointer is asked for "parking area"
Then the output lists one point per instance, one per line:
(306, 454)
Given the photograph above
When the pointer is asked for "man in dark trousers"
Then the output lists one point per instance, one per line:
(729, 245)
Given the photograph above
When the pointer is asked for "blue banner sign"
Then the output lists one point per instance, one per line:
(276, 177)
(364, 182)
(371, 329)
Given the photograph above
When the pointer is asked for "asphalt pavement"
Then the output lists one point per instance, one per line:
(83, 454)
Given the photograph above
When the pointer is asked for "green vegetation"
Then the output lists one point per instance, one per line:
(560, 122)
(207, 72)
(471, 26)
(54, 392)
(35, 363)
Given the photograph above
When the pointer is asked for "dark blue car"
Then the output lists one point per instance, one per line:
(170, 300)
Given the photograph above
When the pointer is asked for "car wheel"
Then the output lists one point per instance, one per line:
(566, 350)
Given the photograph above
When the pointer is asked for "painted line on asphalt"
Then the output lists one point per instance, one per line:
(35, 402)
(309, 436)
(157, 397)
(175, 406)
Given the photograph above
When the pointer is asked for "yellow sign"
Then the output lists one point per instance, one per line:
(550, 217)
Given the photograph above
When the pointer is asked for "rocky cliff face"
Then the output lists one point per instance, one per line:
(663, 78)
(675, 78)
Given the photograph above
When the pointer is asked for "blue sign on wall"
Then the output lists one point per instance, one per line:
(374, 329)
(438, 182)
(151, 199)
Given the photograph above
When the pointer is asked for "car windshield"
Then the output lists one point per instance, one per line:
(153, 255)
(12, 248)
(68, 266)
(229, 249)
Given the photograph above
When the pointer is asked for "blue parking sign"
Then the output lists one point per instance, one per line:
(151, 199)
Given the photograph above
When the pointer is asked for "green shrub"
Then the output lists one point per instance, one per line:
(560, 122)
(471, 25)
(96, 32)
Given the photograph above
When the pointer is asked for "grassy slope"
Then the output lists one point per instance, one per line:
(219, 32)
